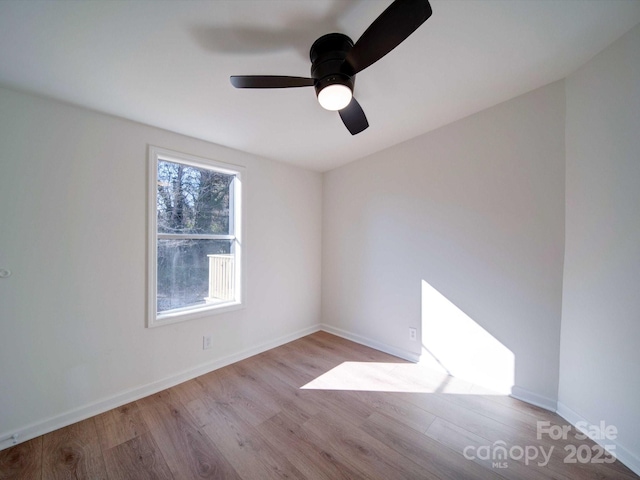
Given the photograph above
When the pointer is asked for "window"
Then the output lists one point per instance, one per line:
(195, 237)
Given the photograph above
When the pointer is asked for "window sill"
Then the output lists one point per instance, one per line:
(193, 313)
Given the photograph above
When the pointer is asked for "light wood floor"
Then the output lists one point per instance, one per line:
(317, 408)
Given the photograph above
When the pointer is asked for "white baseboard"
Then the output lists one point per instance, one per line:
(397, 352)
(631, 460)
(82, 413)
(534, 398)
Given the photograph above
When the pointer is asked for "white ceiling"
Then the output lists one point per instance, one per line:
(167, 64)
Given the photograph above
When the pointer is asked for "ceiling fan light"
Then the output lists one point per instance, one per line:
(335, 97)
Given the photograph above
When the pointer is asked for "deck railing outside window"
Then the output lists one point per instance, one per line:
(221, 278)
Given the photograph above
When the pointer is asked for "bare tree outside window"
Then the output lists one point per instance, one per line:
(195, 236)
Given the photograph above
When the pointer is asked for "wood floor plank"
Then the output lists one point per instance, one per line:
(119, 425)
(232, 430)
(255, 394)
(524, 407)
(284, 369)
(188, 452)
(484, 405)
(137, 459)
(392, 405)
(472, 413)
(363, 452)
(73, 452)
(434, 457)
(271, 386)
(22, 461)
(218, 384)
(308, 359)
(459, 439)
(311, 456)
(230, 388)
(442, 406)
(243, 445)
(342, 405)
(249, 402)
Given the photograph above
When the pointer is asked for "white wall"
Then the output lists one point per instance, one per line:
(600, 340)
(476, 209)
(73, 232)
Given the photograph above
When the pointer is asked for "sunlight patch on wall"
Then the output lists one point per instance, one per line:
(455, 344)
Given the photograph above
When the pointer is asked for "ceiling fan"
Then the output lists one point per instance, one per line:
(335, 61)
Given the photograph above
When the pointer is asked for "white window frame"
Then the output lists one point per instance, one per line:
(155, 319)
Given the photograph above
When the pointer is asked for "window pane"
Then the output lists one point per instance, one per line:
(192, 200)
(194, 272)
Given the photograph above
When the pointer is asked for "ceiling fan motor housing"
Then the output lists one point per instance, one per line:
(327, 61)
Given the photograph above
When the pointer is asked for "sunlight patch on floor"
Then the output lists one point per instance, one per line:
(391, 377)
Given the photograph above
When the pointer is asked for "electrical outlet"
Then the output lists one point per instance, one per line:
(413, 333)
(206, 342)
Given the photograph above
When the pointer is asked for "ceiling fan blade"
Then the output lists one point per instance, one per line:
(389, 30)
(353, 117)
(269, 81)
